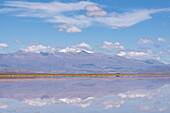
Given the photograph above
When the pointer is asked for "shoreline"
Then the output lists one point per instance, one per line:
(46, 79)
(74, 75)
(37, 77)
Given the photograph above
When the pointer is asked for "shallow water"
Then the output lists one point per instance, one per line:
(85, 96)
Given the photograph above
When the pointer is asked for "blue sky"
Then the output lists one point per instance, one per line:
(132, 28)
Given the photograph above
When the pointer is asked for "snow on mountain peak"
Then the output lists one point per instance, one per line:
(77, 48)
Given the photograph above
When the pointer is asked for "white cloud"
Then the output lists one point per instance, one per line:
(121, 53)
(147, 53)
(93, 10)
(146, 108)
(110, 46)
(17, 41)
(3, 45)
(3, 106)
(39, 48)
(161, 39)
(78, 48)
(55, 12)
(134, 54)
(39, 102)
(144, 41)
(33, 43)
(69, 29)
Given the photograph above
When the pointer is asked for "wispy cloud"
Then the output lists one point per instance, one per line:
(83, 14)
(4, 45)
(67, 28)
(93, 10)
(33, 43)
(144, 41)
(17, 41)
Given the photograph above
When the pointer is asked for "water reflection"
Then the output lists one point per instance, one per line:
(85, 96)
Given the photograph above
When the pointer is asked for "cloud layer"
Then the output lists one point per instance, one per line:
(77, 15)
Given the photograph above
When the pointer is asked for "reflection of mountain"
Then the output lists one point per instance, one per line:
(81, 62)
(145, 95)
(69, 89)
(78, 101)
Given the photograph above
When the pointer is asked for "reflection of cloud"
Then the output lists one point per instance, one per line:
(78, 101)
(133, 95)
(168, 103)
(145, 108)
(121, 95)
(39, 102)
(3, 106)
(112, 103)
(144, 94)
(162, 109)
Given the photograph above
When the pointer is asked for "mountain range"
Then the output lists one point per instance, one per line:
(76, 62)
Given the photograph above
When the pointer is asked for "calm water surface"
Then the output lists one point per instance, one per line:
(85, 96)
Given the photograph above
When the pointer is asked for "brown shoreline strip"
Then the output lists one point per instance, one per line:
(45, 79)
(71, 75)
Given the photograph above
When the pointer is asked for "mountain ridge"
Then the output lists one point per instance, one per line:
(73, 63)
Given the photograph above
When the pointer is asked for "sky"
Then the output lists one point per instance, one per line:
(130, 28)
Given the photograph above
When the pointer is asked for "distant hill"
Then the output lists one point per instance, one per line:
(80, 62)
